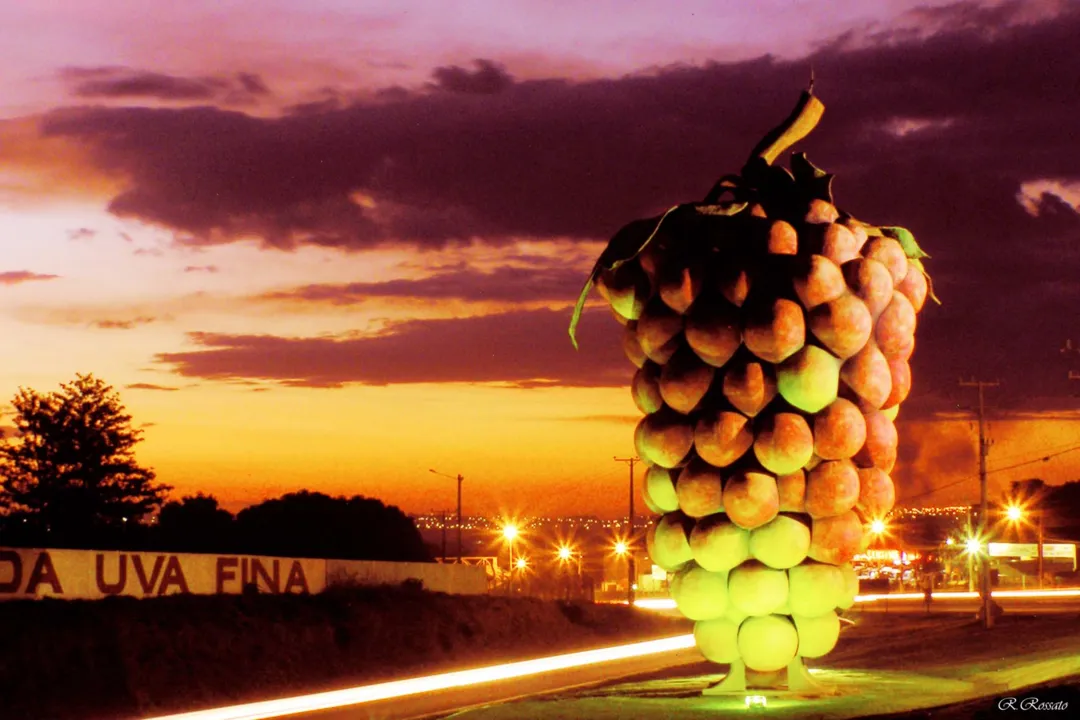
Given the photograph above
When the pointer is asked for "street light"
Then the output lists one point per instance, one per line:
(565, 554)
(1015, 514)
(620, 548)
(510, 533)
(972, 549)
(459, 479)
(877, 527)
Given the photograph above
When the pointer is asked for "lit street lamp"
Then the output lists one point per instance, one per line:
(566, 554)
(1015, 514)
(510, 532)
(972, 548)
(459, 479)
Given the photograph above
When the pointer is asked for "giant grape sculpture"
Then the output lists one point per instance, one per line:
(771, 332)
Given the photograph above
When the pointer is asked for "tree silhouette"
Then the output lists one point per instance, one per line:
(69, 477)
(195, 523)
(307, 524)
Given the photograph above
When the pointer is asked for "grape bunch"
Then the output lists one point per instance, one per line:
(772, 333)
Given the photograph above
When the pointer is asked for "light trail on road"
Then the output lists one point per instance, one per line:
(669, 604)
(431, 683)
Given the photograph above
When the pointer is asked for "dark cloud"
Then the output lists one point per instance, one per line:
(201, 268)
(151, 386)
(253, 84)
(112, 83)
(525, 348)
(943, 130)
(487, 78)
(17, 277)
(124, 324)
(507, 284)
(81, 234)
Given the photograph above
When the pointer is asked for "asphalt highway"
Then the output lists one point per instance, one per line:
(443, 703)
(1027, 605)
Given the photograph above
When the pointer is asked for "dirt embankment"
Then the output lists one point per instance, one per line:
(122, 657)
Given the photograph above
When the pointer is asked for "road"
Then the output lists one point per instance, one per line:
(455, 700)
(446, 693)
(966, 603)
(437, 696)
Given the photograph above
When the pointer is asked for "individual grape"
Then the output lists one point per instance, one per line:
(718, 544)
(700, 489)
(751, 498)
(839, 430)
(722, 436)
(783, 442)
(809, 380)
(781, 543)
(768, 643)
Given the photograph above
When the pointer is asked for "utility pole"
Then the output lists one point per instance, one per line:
(443, 525)
(459, 479)
(1039, 519)
(630, 564)
(984, 510)
(459, 551)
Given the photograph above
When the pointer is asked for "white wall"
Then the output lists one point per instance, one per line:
(92, 574)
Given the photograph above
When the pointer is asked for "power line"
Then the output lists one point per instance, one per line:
(1050, 449)
(969, 478)
(1042, 459)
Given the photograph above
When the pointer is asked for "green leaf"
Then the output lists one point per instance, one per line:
(580, 306)
(906, 240)
(623, 247)
(727, 209)
(917, 263)
(812, 180)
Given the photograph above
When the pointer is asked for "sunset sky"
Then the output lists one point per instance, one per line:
(330, 245)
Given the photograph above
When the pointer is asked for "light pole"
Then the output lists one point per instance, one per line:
(510, 532)
(984, 450)
(1015, 514)
(630, 568)
(566, 554)
(459, 479)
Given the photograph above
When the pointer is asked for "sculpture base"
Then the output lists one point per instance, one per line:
(793, 680)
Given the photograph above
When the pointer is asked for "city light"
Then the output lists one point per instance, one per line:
(950, 541)
(620, 548)
(1014, 513)
(877, 527)
(510, 532)
(565, 553)
(434, 683)
(521, 563)
(669, 604)
(973, 545)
